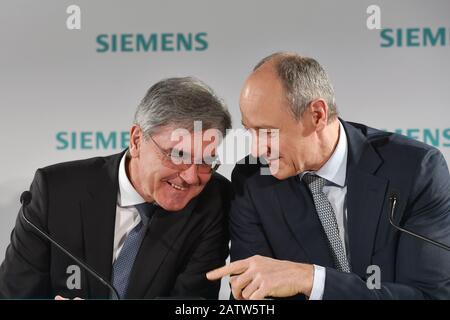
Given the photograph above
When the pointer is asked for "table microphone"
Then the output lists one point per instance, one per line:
(393, 198)
(25, 199)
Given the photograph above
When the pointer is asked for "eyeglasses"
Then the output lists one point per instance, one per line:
(179, 160)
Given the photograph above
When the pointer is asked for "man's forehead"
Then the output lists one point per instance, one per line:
(262, 113)
(264, 94)
(187, 139)
(258, 123)
(181, 132)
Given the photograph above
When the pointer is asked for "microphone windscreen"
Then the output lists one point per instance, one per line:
(25, 198)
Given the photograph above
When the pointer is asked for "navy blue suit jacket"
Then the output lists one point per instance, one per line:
(277, 218)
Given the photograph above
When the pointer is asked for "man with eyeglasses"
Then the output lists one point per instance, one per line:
(152, 219)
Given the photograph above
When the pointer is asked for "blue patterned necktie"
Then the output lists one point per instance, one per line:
(328, 221)
(124, 263)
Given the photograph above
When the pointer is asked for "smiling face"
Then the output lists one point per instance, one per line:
(155, 178)
(302, 144)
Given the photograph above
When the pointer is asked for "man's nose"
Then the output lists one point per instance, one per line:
(190, 175)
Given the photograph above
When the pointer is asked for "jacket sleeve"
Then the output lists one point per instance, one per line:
(246, 232)
(422, 269)
(210, 252)
(25, 271)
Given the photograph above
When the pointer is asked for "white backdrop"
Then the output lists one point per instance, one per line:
(54, 82)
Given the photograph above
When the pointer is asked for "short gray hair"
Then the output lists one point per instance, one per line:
(304, 80)
(180, 102)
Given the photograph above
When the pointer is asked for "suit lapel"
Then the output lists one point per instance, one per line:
(98, 212)
(159, 240)
(365, 198)
(301, 217)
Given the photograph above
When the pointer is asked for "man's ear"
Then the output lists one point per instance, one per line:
(319, 111)
(135, 140)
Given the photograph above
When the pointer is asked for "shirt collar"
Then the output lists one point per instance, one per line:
(335, 169)
(128, 196)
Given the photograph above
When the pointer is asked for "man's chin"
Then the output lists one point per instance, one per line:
(172, 206)
(175, 203)
(281, 173)
(280, 176)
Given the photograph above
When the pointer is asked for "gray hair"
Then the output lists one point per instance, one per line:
(304, 80)
(180, 102)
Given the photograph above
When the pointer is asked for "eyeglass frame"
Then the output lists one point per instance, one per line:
(168, 156)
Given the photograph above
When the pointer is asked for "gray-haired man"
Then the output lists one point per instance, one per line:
(152, 219)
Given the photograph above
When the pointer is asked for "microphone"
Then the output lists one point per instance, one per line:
(25, 199)
(393, 198)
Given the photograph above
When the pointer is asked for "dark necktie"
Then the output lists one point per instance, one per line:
(328, 220)
(124, 263)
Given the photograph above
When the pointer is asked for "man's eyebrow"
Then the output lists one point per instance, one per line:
(260, 126)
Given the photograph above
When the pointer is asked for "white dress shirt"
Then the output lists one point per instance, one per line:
(334, 171)
(127, 216)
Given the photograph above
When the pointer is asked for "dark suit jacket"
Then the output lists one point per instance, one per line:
(278, 219)
(75, 203)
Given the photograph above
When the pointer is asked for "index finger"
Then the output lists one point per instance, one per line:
(235, 267)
